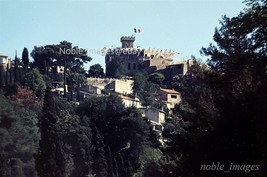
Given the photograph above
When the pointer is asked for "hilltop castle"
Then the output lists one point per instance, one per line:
(134, 59)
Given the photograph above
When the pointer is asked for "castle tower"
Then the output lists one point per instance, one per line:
(127, 41)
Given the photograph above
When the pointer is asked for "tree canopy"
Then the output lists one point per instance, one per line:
(19, 136)
(156, 78)
(116, 68)
(96, 70)
(222, 113)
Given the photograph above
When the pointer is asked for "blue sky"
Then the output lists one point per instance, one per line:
(180, 25)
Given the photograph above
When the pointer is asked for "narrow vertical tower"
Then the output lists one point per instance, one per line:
(127, 41)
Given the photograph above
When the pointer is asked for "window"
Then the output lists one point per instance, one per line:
(173, 96)
(129, 66)
(158, 127)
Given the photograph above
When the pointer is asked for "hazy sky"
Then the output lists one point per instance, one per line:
(180, 25)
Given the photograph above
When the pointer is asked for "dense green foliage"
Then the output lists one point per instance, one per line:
(144, 89)
(48, 58)
(123, 131)
(116, 68)
(34, 80)
(222, 114)
(96, 70)
(19, 139)
(221, 117)
(106, 139)
(51, 159)
(156, 78)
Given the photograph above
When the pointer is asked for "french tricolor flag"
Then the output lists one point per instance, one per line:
(137, 30)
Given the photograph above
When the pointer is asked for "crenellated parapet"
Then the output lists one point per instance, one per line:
(137, 59)
(150, 54)
(127, 38)
(127, 41)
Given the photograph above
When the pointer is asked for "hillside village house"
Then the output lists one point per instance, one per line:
(128, 101)
(156, 116)
(87, 90)
(170, 97)
(4, 61)
(59, 89)
(99, 82)
(122, 86)
(90, 89)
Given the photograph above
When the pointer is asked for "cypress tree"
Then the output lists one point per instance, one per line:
(25, 58)
(7, 75)
(1, 77)
(129, 170)
(10, 74)
(16, 69)
(116, 172)
(82, 148)
(120, 164)
(110, 163)
(50, 159)
(99, 160)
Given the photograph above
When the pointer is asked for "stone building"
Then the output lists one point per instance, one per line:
(99, 82)
(176, 69)
(129, 101)
(122, 86)
(4, 61)
(90, 89)
(156, 116)
(134, 59)
(170, 97)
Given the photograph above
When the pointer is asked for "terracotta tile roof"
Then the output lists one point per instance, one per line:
(170, 91)
(128, 98)
(125, 97)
